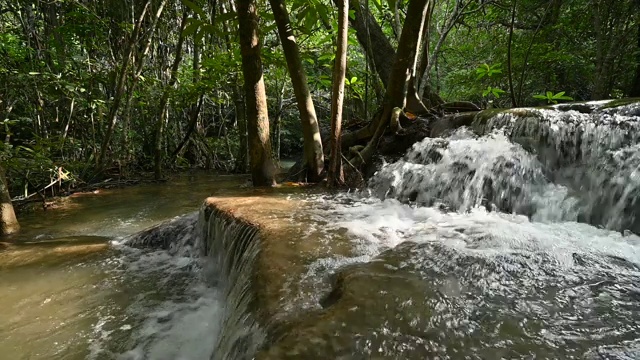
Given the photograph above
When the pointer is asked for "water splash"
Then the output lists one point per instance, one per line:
(466, 171)
(567, 133)
(499, 284)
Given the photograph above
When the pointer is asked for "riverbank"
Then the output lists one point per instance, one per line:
(40, 200)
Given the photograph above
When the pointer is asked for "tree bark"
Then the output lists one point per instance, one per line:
(136, 76)
(194, 112)
(313, 152)
(261, 164)
(241, 118)
(336, 174)
(8, 222)
(164, 100)
(403, 69)
(372, 39)
(512, 93)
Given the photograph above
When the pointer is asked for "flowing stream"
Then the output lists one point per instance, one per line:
(71, 291)
(515, 238)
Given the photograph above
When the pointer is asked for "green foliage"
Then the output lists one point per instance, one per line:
(492, 91)
(59, 72)
(552, 98)
(488, 70)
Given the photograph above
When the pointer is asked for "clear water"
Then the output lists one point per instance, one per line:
(71, 291)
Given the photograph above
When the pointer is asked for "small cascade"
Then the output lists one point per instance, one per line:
(568, 163)
(225, 249)
(463, 172)
(232, 246)
(563, 134)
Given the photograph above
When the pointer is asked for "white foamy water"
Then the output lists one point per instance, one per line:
(175, 308)
(567, 288)
(521, 236)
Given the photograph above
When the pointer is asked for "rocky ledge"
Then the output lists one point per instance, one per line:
(364, 309)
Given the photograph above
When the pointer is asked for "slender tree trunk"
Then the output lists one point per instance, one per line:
(512, 93)
(136, 76)
(372, 39)
(241, 118)
(635, 89)
(277, 123)
(313, 152)
(8, 222)
(336, 174)
(164, 101)
(194, 112)
(262, 169)
(119, 90)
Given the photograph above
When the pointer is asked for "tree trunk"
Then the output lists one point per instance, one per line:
(635, 89)
(136, 76)
(277, 123)
(8, 222)
(164, 101)
(403, 69)
(194, 112)
(241, 118)
(512, 93)
(372, 39)
(336, 175)
(313, 152)
(262, 169)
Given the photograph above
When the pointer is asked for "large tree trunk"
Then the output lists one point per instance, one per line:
(380, 50)
(336, 175)
(313, 153)
(8, 222)
(164, 101)
(404, 68)
(262, 169)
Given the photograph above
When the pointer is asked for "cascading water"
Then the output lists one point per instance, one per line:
(222, 251)
(509, 241)
(233, 247)
(578, 166)
(517, 232)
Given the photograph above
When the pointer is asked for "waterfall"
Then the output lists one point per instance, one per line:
(565, 163)
(226, 248)
(233, 245)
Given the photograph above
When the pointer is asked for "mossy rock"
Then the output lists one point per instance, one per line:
(621, 102)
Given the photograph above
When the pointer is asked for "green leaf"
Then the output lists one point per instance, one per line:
(192, 28)
(195, 8)
(541, 97)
